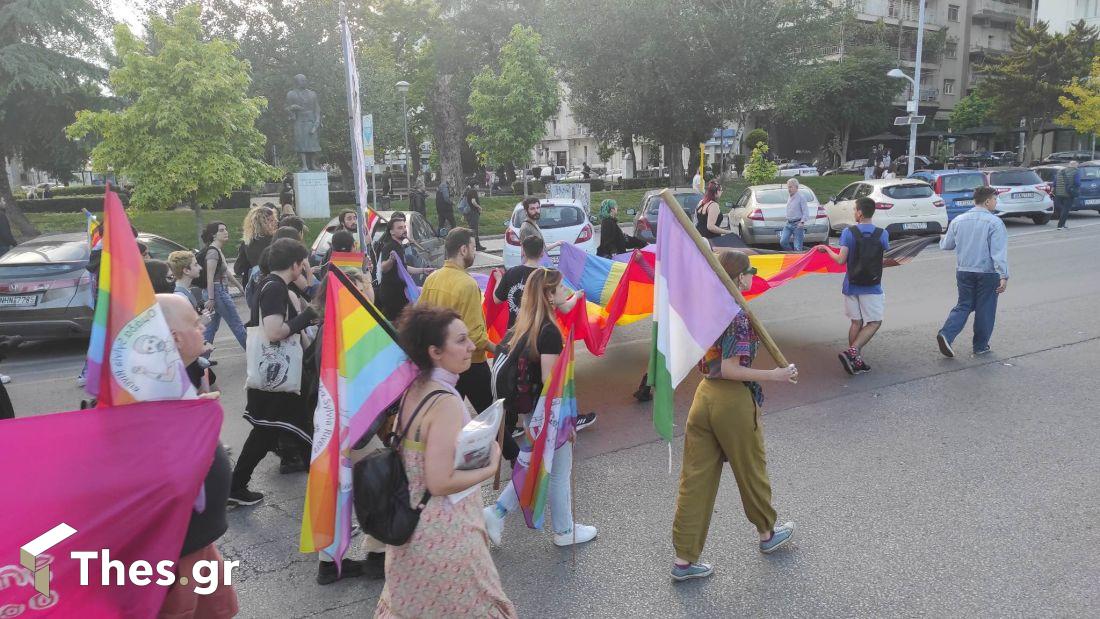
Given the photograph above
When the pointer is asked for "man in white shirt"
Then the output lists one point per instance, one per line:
(798, 217)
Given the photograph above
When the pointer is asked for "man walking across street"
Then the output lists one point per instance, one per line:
(798, 217)
(980, 242)
(861, 249)
(1066, 183)
(453, 288)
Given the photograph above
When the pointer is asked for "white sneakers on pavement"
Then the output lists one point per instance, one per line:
(580, 534)
(494, 525)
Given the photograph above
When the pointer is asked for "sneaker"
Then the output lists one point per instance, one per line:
(585, 421)
(644, 394)
(374, 567)
(349, 568)
(945, 346)
(984, 351)
(860, 366)
(780, 536)
(5, 379)
(244, 496)
(681, 573)
(518, 432)
(846, 362)
(81, 380)
(583, 533)
(494, 525)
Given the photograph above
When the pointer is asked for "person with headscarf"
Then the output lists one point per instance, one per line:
(613, 240)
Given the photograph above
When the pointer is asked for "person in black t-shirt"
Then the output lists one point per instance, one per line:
(510, 287)
(391, 289)
(473, 215)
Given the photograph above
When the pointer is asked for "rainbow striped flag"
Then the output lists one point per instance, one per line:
(132, 356)
(558, 404)
(347, 259)
(363, 371)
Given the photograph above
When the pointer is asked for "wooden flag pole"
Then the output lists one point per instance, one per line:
(704, 248)
(500, 464)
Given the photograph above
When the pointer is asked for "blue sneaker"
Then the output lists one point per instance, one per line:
(780, 536)
(681, 573)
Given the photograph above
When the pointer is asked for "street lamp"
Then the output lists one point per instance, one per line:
(913, 108)
(403, 88)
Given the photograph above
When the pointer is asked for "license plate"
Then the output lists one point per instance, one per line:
(1024, 194)
(21, 301)
(964, 203)
(1092, 201)
(920, 226)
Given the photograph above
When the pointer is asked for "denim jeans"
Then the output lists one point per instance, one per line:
(789, 230)
(225, 309)
(561, 511)
(977, 294)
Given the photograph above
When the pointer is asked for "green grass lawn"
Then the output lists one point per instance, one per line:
(180, 225)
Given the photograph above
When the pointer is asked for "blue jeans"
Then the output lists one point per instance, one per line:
(561, 512)
(977, 294)
(789, 230)
(225, 309)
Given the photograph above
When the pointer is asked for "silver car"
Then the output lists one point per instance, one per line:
(761, 212)
(1021, 193)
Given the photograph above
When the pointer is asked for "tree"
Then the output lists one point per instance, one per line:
(510, 108)
(49, 51)
(971, 111)
(852, 93)
(760, 169)
(188, 133)
(754, 138)
(1082, 102)
(1026, 83)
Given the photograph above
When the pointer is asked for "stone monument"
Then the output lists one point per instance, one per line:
(310, 183)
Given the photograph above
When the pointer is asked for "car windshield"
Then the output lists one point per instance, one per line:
(46, 252)
(908, 192)
(1088, 172)
(688, 201)
(553, 216)
(780, 196)
(962, 182)
(1014, 178)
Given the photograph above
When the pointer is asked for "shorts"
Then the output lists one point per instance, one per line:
(865, 307)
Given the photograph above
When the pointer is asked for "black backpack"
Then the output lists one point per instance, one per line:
(380, 489)
(200, 257)
(865, 262)
(511, 377)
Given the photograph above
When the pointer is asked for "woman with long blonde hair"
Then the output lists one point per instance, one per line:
(536, 332)
(258, 231)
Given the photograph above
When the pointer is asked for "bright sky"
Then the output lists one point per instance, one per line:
(127, 11)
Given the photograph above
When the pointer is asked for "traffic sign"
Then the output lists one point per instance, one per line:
(909, 120)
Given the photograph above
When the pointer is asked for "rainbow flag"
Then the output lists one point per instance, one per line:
(363, 371)
(558, 405)
(347, 259)
(132, 356)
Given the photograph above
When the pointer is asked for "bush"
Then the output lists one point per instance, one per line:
(67, 204)
(597, 184)
(236, 199)
(343, 197)
(760, 170)
(739, 163)
(755, 138)
(78, 190)
(533, 187)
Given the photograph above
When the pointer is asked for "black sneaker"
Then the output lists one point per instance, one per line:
(860, 366)
(846, 362)
(349, 568)
(292, 466)
(374, 567)
(244, 496)
(585, 421)
(644, 394)
(945, 346)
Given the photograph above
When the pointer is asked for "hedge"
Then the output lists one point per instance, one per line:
(236, 199)
(67, 204)
(643, 183)
(78, 190)
(597, 184)
(533, 187)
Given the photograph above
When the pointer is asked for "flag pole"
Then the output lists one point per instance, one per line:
(500, 464)
(355, 126)
(731, 287)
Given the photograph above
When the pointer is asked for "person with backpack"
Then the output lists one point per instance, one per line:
(215, 280)
(538, 339)
(444, 569)
(862, 247)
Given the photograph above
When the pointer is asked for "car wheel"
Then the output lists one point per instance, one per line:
(1041, 220)
(741, 233)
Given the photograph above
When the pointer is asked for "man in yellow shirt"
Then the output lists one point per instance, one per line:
(453, 288)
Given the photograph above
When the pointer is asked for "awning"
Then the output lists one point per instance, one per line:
(883, 137)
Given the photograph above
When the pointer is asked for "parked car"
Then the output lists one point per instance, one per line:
(761, 213)
(903, 206)
(1021, 193)
(855, 166)
(1071, 155)
(645, 221)
(1088, 195)
(956, 187)
(1047, 173)
(560, 220)
(425, 248)
(1005, 157)
(46, 290)
(549, 173)
(612, 176)
(901, 164)
(797, 168)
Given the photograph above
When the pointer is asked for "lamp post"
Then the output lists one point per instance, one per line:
(403, 88)
(913, 107)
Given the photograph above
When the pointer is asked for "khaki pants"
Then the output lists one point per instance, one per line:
(723, 424)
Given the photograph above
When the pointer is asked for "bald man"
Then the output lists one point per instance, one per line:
(208, 522)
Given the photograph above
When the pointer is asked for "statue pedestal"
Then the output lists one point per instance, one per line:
(311, 195)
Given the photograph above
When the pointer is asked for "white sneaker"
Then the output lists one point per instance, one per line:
(81, 381)
(583, 533)
(4, 378)
(494, 525)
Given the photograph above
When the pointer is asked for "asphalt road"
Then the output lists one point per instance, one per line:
(929, 487)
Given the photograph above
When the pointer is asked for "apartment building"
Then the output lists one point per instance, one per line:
(1061, 13)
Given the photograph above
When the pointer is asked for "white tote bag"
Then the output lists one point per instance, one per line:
(274, 366)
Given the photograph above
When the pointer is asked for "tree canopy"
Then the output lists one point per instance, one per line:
(971, 111)
(1082, 102)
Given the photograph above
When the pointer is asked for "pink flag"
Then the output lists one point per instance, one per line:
(122, 480)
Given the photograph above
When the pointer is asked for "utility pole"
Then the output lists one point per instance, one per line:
(916, 89)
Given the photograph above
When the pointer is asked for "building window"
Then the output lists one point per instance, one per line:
(554, 124)
(953, 12)
(948, 87)
(951, 49)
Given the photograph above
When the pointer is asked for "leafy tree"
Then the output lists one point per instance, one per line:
(756, 137)
(760, 169)
(188, 133)
(971, 111)
(604, 151)
(852, 93)
(49, 51)
(509, 109)
(1082, 102)
(1026, 83)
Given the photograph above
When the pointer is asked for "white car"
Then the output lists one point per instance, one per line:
(902, 206)
(560, 220)
(761, 213)
(1022, 193)
(796, 168)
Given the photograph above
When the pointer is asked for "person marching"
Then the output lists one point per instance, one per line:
(218, 278)
(724, 424)
(708, 215)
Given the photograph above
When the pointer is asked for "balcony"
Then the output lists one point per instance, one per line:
(1001, 10)
(991, 48)
(927, 95)
(909, 55)
(904, 11)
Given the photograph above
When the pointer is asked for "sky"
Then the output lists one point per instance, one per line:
(127, 11)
